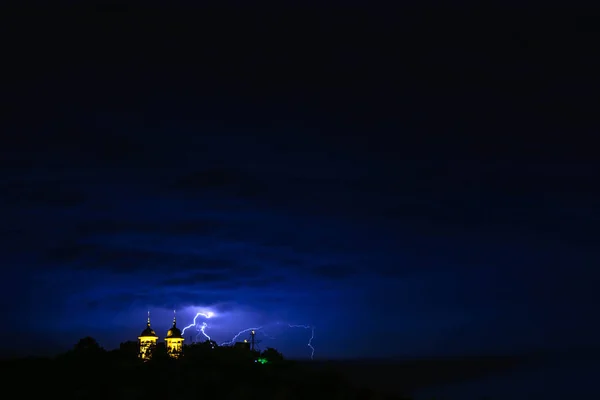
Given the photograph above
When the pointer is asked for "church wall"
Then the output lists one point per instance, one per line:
(174, 347)
(146, 343)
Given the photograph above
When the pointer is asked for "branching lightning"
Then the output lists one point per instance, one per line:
(232, 341)
(312, 336)
(202, 328)
(202, 331)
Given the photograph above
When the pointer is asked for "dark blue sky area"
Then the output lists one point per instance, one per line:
(432, 194)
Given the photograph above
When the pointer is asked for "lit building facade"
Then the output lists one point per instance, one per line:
(174, 341)
(147, 341)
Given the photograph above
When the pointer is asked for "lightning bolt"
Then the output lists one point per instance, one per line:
(202, 331)
(202, 328)
(229, 343)
(312, 336)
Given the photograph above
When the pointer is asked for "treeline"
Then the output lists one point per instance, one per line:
(204, 371)
(202, 352)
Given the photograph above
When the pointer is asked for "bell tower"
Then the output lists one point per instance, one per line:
(174, 340)
(147, 341)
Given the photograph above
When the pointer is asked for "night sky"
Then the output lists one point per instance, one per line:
(420, 183)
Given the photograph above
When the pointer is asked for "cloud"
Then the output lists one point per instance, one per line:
(200, 278)
(42, 193)
(227, 180)
(87, 256)
(112, 226)
(115, 147)
(68, 253)
(184, 270)
(264, 282)
(334, 271)
(236, 276)
(161, 298)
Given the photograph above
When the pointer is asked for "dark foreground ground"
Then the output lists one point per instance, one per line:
(544, 375)
(407, 376)
(115, 378)
(164, 380)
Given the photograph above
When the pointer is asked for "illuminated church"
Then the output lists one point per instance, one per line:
(148, 341)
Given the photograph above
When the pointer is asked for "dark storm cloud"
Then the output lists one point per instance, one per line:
(334, 271)
(67, 253)
(228, 273)
(191, 227)
(102, 144)
(194, 278)
(71, 136)
(166, 298)
(83, 256)
(42, 193)
(269, 298)
(157, 298)
(230, 181)
(227, 280)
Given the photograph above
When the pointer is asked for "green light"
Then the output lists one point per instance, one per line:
(262, 360)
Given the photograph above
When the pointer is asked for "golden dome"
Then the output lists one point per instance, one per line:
(174, 332)
(148, 331)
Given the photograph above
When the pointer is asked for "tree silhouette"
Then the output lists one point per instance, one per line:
(87, 364)
(272, 355)
(129, 349)
(88, 346)
(204, 349)
(210, 344)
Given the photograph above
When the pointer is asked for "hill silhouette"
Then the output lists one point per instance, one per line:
(205, 370)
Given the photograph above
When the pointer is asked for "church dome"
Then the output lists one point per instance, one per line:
(174, 333)
(148, 332)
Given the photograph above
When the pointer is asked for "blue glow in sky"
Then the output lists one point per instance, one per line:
(397, 209)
